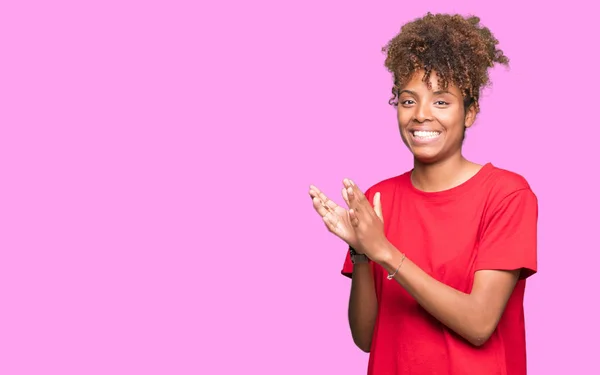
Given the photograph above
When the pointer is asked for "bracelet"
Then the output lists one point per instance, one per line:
(391, 276)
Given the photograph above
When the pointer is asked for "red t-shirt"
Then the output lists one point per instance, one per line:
(488, 222)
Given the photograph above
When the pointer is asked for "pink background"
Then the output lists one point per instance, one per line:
(155, 159)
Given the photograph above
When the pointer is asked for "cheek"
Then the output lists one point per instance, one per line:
(404, 118)
(451, 121)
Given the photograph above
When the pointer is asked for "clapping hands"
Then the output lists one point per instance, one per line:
(360, 225)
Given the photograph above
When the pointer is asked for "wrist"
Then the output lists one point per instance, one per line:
(384, 256)
(353, 250)
(356, 257)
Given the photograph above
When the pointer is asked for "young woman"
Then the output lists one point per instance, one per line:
(439, 255)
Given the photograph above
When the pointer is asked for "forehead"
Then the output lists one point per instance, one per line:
(417, 84)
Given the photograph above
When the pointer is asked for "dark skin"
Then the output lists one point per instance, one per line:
(438, 165)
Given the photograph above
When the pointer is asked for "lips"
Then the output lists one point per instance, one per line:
(425, 133)
(424, 136)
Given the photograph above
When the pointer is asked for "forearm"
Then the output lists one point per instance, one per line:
(461, 312)
(362, 307)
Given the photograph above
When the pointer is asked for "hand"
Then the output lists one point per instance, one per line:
(335, 217)
(367, 221)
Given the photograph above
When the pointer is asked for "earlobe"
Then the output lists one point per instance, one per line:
(470, 117)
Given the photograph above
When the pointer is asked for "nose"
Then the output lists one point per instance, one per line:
(422, 113)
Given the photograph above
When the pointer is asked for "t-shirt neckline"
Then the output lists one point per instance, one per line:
(466, 186)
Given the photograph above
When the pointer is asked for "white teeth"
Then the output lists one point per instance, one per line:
(426, 134)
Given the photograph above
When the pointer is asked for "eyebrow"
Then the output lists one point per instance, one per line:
(439, 92)
(408, 92)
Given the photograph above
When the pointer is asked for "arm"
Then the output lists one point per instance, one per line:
(506, 252)
(362, 307)
(473, 316)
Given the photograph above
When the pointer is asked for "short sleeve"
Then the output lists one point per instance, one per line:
(348, 267)
(509, 239)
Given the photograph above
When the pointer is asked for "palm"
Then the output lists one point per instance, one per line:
(346, 223)
(341, 223)
(336, 217)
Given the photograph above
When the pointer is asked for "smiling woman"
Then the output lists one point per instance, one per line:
(432, 123)
(439, 255)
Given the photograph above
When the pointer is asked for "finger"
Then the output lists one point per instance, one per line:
(360, 203)
(353, 201)
(315, 192)
(315, 197)
(320, 207)
(345, 196)
(353, 218)
(377, 205)
(353, 196)
(328, 203)
(357, 192)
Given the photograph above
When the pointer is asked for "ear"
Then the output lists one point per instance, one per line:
(470, 115)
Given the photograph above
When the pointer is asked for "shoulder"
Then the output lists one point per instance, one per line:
(501, 183)
(507, 179)
(508, 190)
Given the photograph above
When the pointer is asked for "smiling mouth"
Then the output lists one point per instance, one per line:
(425, 134)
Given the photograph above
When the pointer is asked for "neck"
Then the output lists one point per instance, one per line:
(444, 174)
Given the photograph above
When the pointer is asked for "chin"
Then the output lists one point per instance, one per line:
(426, 156)
(426, 159)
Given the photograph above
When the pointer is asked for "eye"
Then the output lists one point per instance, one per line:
(407, 102)
(441, 102)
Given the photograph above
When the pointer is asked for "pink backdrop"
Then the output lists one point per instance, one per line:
(155, 159)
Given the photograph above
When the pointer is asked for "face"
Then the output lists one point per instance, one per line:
(432, 121)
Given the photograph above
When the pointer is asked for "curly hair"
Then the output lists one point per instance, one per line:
(458, 49)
